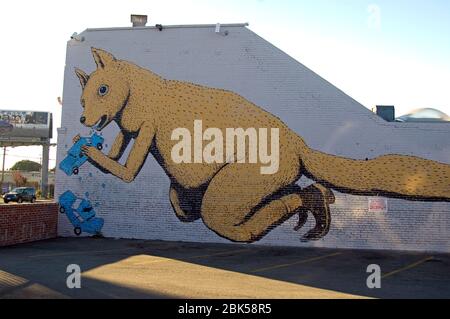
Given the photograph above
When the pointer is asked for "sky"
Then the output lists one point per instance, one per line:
(378, 52)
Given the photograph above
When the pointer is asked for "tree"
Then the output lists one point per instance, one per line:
(26, 166)
(19, 179)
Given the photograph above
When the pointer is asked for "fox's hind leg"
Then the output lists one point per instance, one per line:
(316, 199)
(185, 203)
(242, 205)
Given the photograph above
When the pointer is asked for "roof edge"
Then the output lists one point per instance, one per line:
(226, 25)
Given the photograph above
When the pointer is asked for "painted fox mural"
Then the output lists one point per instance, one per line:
(234, 199)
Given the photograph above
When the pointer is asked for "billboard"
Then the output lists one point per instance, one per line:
(15, 125)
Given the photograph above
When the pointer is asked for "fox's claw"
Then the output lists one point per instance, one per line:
(302, 218)
(85, 149)
(89, 151)
(317, 200)
(76, 138)
(318, 232)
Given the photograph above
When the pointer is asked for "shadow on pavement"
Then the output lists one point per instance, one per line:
(156, 269)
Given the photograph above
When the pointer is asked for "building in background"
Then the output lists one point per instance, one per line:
(424, 115)
(33, 179)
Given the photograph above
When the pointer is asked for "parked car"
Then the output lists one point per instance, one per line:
(20, 194)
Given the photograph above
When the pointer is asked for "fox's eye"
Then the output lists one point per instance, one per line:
(103, 90)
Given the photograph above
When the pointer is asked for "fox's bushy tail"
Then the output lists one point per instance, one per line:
(399, 176)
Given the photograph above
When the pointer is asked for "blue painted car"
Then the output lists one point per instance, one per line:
(82, 218)
(75, 157)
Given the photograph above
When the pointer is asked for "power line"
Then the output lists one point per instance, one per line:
(27, 157)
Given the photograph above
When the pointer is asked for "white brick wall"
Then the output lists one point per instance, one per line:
(324, 116)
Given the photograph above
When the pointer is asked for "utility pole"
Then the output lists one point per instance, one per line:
(44, 169)
(3, 167)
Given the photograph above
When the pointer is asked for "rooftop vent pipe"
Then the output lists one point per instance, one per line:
(138, 20)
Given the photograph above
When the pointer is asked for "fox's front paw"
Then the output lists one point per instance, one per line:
(92, 153)
(96, 158)
(76, 138)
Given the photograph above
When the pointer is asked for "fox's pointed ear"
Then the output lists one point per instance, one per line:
(82, 76)
(102, 58)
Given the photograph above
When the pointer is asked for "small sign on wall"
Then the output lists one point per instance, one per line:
(378, 205)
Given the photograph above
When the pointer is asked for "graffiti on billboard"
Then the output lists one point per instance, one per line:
(208, 141)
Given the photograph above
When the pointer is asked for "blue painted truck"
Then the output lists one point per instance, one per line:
(82, 218)
(75, 157)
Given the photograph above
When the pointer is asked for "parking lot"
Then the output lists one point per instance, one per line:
(154, 269)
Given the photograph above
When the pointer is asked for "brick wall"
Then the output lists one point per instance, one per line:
(326, 118)
(27, 223)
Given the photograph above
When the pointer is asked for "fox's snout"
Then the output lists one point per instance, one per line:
(96, 123)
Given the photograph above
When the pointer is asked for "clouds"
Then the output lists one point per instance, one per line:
(374, 19)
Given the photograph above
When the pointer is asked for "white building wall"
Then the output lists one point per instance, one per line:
(327, 119)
